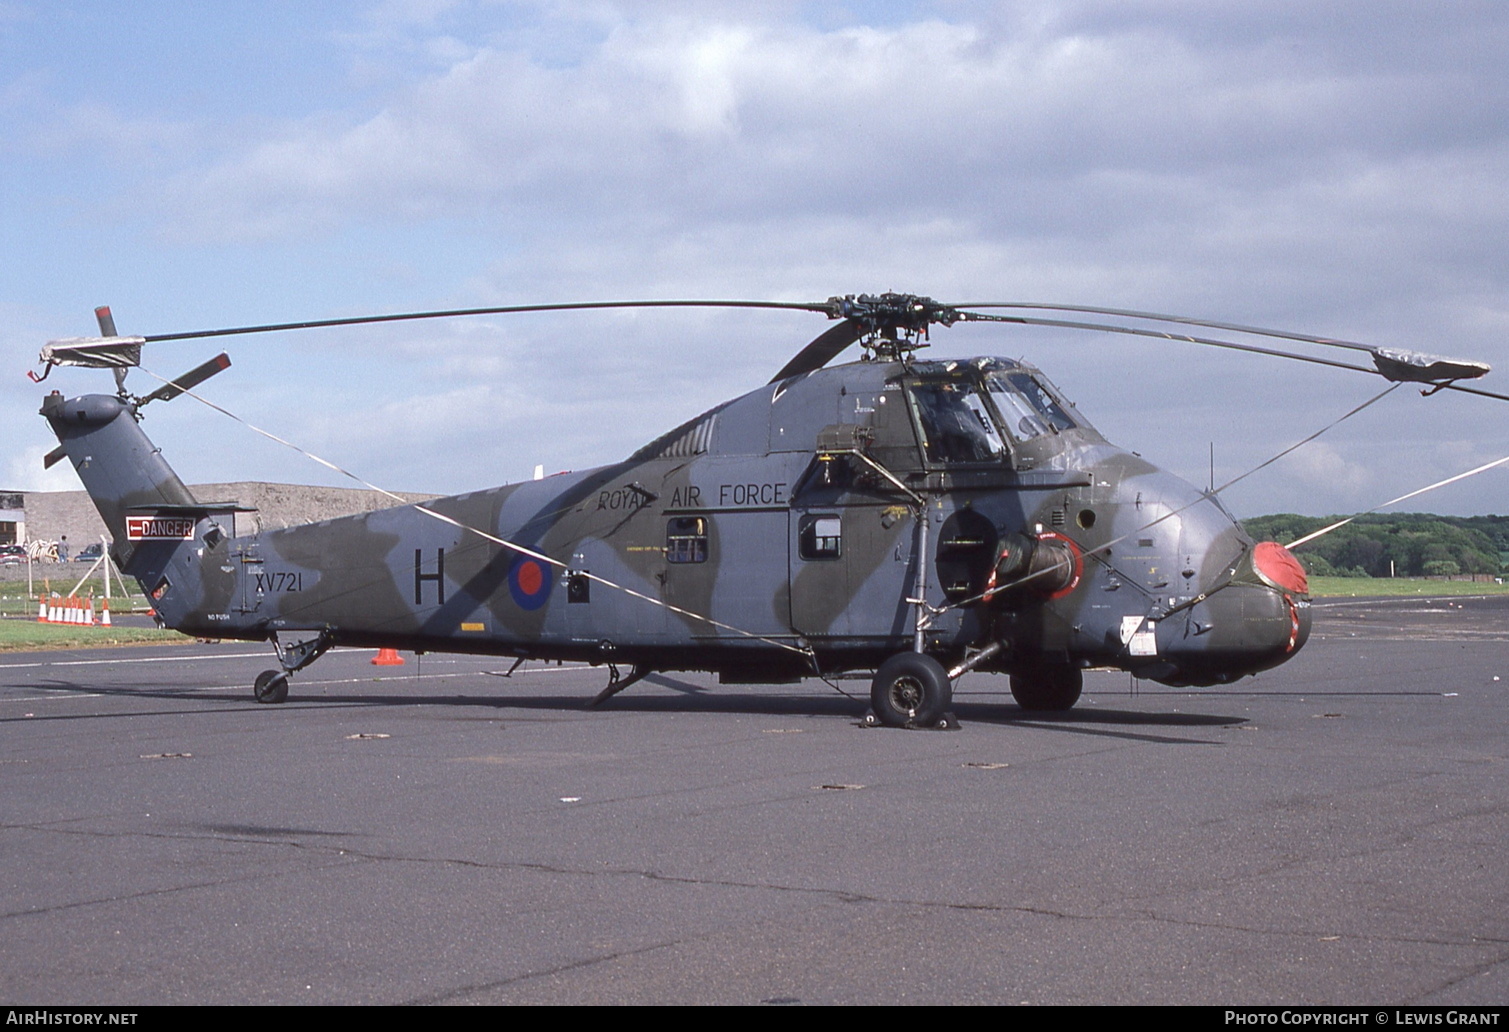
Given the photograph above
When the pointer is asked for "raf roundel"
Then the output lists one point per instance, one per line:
(529, 583)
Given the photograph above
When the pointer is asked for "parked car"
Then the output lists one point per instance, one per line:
(87, 554)
(12, 555)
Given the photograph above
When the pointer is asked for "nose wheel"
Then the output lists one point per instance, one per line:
(1047, 688)
(911, 689)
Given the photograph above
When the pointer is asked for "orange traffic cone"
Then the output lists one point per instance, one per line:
(42, 612)
(387, 657)
(105, 614)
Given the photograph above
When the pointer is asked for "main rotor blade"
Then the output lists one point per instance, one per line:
(826, 307)
(189, 380)
(1394, 364)
(859, 316)
(1137, 331)
(1381, 368)
(821, 351)
(1127, 313)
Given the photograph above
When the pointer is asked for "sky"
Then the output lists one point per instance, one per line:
(1336, 168)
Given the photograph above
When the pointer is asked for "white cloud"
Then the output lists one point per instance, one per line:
(1138, 146)
(24, 471)
(106, 134)
(1325, 471)
(1336, 168)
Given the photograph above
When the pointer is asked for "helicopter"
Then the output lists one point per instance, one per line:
(893, 518)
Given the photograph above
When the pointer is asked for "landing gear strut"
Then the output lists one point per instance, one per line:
(271, 686)
(911, 689)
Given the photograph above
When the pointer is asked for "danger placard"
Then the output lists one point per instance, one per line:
(159, 528)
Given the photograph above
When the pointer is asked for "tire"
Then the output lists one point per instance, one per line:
(271, 687)
(1047, 689)
(910, 690)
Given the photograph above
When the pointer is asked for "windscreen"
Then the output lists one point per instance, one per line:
(1026, 406)
(956, 423)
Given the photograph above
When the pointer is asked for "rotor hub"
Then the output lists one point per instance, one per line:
(892, 325)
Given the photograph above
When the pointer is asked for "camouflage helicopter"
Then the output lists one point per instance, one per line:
(915, 519)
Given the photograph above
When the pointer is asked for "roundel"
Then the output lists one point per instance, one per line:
(529, 583)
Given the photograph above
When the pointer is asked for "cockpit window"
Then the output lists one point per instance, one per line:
(1026, 406)
(956, 423)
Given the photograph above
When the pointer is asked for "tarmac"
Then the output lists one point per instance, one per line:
(1329, 832)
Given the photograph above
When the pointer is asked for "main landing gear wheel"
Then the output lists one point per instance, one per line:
(271, 687)
(1047, 688)
(910, 690)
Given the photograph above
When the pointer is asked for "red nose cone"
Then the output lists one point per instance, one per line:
(1279, 569)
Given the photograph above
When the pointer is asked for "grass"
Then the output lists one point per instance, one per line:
(28, 635)
(14, 600)
(1367, 587)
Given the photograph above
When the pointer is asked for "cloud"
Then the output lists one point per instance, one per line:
(103, 131)
(1144, 142)
(1335, 168)
(24, 471)
(1321, 468)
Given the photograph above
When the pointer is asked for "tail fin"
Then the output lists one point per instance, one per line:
(125, 475)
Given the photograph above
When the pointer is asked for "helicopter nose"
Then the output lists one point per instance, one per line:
(1257, 620)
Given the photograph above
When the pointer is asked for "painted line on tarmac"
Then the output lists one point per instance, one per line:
(154, 659)
(137, 659)
(64, 694)
(237, 655)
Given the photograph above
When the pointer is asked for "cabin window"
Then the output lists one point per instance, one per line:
(956, 423)
(1026, 406)
(820, 537)
(686, 540)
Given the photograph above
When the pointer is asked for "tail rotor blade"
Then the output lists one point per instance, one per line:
(53, 457)
(189, 380)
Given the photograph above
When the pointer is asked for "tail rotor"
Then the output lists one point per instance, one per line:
(118, 354)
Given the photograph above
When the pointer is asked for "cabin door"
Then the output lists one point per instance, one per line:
(851, 568)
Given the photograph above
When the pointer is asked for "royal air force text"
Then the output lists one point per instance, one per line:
(729, 496)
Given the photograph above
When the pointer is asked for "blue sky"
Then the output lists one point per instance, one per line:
(1338, 168)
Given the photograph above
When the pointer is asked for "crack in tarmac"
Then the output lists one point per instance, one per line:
(339, 855)
(451, 995)
(1448, 983)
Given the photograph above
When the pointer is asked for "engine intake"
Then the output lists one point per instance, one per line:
(1048, 565)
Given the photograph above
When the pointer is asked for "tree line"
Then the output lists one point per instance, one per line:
(1398, 544)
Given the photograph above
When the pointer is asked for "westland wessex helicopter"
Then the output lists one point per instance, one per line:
(918, 519)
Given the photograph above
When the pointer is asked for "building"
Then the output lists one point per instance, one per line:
(52, 515)
(12, 518)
